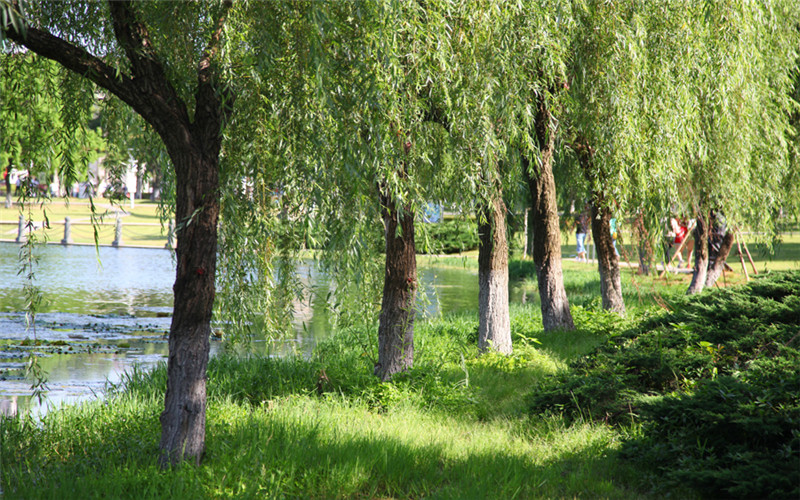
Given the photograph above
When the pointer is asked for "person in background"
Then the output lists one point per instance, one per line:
(612, 224)
(581, 231)
(680, 228)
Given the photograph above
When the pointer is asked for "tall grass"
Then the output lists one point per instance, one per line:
(455, 426)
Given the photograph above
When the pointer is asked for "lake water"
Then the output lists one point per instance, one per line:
(102, 313)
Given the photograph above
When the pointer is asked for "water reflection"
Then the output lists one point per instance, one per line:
(113, 310)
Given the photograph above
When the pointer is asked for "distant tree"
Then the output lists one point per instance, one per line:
(743, 96)
(660, 114)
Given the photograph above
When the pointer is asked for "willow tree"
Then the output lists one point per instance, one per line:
(745, 102)
(661, 111)
(125, 48)
(607, 79)
(388, 75)
(629, 119)
(512, 58)
(170, 63)
(529, 44)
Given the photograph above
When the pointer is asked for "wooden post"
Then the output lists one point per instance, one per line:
(21, 230)
(741, 258)
(67, 232)
(117, 233)
(747, 251)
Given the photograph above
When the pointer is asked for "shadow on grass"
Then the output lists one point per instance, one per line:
(310, 449)
(320, 457)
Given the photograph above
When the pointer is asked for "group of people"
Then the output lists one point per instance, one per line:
(678, 243)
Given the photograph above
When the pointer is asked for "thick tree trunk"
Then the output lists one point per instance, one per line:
(398, 308)
(607, 259)
(494, 328)
(196, 214)
(717, 259)
(546, 233)
(700, 255)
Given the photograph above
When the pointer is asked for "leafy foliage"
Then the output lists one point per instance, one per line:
(452, 236)
(714, 384)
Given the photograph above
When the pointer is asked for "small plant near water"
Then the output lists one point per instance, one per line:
(30, 291)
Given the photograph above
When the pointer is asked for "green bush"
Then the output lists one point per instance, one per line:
(452, 236)
(737, 437)
(715, 385)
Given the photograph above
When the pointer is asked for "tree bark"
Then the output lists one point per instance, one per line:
(197, 214)
(494, 328)
(643, 246)
(193, 147)
(607, 258)
(546, 234)
(700, 234)
(528, 233)
(398, 307)
(717, 260)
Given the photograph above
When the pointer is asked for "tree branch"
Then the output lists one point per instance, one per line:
(214, 102)
(212, 49)
(147, 91)
(134, 39)
(73, 58)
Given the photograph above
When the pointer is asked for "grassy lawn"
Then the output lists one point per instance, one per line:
(458, 425)
(141, 225)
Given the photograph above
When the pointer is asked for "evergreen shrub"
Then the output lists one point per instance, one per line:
(714, 385)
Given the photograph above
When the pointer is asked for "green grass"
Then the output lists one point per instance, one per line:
(456, 426)
(141, 224)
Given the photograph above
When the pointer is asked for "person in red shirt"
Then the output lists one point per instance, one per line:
(680, 229)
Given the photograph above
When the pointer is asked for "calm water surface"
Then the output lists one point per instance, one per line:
(111, 310)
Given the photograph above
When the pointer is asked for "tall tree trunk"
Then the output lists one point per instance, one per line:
(494, 328)
(546, 233)
(717, 259)
(607, 258)
(700, 255)
(398, 307)
(197, 214)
